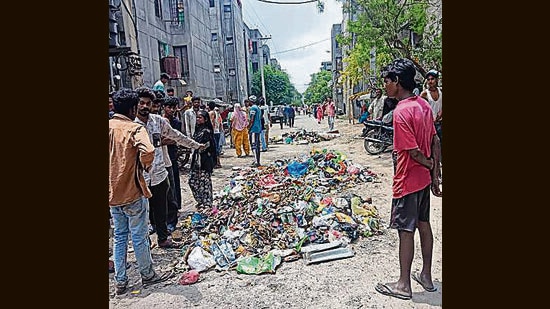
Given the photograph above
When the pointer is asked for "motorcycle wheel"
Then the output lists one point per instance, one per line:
(372, 147)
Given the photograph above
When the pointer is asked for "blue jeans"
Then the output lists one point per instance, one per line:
(132, 219)
(262, 140)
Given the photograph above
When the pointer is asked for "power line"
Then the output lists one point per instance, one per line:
(288, 50)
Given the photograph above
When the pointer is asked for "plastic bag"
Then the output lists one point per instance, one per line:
(297, 169)
(252, 265)
(199, 259)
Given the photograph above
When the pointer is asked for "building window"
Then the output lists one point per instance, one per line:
(158, 9)
(229, 40)
(232, 72)
(254, 67)
(181, 53)
(217, 68)
(227, 8)
(212, 3)
(254, 48)
(177, 12)
(214, 36)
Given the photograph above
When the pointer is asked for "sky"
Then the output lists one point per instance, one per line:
(292, 26)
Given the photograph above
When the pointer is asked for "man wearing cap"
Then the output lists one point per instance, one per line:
(434, 96)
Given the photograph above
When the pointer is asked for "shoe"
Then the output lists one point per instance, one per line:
(255, 164)
(263, 150)
(157, 278)
(169, 244)
(121, 287)
(240, 156)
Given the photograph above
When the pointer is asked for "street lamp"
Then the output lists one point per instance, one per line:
(262, 65)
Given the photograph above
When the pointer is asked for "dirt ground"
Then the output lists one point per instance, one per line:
(346, 283)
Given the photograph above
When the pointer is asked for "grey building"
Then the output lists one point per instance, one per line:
(229, 49)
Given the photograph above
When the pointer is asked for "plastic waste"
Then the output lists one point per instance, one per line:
(297, 169)
(200, 260)
(223, 253)
(252, 265)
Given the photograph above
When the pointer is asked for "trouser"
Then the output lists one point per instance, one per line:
(131, 220)
(256, 137)
(177, 184)
(281, 122)
(267, 135)
(241, 141)
(331, 123)
(172, 204)
(158, 207)
(291, 121)
(263, 140)
(217, 142)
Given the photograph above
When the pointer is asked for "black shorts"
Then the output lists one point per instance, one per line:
(407, 210)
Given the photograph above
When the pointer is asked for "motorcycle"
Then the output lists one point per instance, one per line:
(378, 136)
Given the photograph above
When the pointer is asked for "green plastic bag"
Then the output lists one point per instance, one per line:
(252, 265)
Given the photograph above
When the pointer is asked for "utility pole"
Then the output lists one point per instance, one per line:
(262, 65)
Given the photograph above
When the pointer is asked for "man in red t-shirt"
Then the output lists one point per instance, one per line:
(416, 166)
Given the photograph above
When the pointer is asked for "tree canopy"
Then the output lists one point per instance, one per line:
(319, 88)
(391, 29)
(278, 87)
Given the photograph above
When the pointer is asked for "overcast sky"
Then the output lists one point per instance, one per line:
(293, 26)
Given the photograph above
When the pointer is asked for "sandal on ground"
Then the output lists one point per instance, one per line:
(386, 290)
(157, 278)
(416, 277)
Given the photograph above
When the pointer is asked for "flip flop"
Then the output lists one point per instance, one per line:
(416, 277)
(386, 290)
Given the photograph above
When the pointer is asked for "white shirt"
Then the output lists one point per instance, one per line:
(266, 114)
(158, 124)
(436, 105)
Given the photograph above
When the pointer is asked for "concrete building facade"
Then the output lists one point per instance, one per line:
(337, 67)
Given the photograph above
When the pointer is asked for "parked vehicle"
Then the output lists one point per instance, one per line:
(378, 136)
(273, 113)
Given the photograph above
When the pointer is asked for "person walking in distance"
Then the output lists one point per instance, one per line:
(202, 162)
(157, 178)
(239, 129)
(255, 128)
(331, 113)
(130, 154)
(416, 161)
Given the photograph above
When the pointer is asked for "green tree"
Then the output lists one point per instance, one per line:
(318, 88)
(394, 29)
(278, 87)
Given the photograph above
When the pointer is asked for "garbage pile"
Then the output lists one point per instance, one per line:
(266, 215)
(302, 137)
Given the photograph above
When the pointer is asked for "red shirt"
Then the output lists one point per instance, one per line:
(413, 129)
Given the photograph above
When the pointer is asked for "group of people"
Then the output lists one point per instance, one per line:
(328, 108)
(146, 126)
(249, 125)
